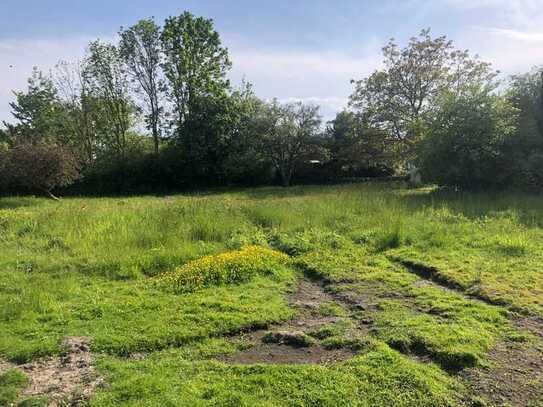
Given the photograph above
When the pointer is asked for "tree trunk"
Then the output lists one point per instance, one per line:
(285, 177)
(156, 138)
(50, 195)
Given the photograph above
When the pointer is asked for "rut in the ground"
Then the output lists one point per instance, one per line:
(307, 300)
(515, 374)
(531, 323)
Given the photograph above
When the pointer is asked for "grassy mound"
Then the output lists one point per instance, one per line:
(226, 268)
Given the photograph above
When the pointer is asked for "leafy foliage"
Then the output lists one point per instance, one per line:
(11, 383)
(465, 139)
(396, 99)
(195, 66)
(39, 167)
(140, 49)
(200, 131)
(288, 135)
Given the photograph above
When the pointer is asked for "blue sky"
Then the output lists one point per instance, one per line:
(294, 50)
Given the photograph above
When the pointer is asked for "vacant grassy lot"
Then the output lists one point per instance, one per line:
(359, 295)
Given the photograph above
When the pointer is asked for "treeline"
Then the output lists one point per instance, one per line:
(156, 112)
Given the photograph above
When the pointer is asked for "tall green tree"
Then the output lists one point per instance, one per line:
(37, 111)
(523, 153)
(466, 138)
(355, 147)
(108, 82)
(195, 66)
(288, 134)
(82, 119)
(246, 162)
(140, 48)
(397, 99)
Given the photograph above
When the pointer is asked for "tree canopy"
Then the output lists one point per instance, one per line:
(156, 111)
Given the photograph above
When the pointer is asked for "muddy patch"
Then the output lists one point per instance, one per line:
(315, 310)
(514, 378)
(531, 324)
(515, 373)
(66, 380)
(260, 351)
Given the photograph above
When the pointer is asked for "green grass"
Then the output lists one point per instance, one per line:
(379, 377)
(11, 383)
(86, 266)
(409, 315)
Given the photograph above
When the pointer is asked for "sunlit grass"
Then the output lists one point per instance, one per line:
(83, 266)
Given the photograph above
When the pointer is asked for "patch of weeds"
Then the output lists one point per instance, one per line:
(124, 317)
(267, 216)
(292, 245)
(226, 268)
(512, 246)
(337, 328)
(363, 237)
(56, 243)
(11, 383)
(331, 309)
(355, 343)
(330, 266)
(536, 403)
(453, 344)
(298, 243)
(206, 229)
(291, 338)
(391, 238)
(34, 402)
(247, 237)
(26, 266)
(504, 280)
(325, 331)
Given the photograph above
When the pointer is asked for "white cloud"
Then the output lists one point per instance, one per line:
(19, 56)
(534, 37)
(513, 41)
(525, 15)
(318, 77)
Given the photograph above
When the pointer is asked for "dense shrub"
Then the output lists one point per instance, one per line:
(225, 268)
(3, 174)
(465, 140)
(39, 167)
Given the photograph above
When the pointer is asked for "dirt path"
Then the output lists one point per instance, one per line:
(515, 374)
(65, 380)
(514, 379)
(308, 299)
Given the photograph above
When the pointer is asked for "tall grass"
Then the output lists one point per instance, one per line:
(130, 237)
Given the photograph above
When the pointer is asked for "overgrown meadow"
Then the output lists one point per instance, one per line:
(441, 280)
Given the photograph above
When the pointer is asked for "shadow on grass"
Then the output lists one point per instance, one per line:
(528, 208)
(17, 202)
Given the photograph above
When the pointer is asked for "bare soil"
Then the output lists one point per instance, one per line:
(515, 377)
(5, 366)
(307, 300)
(281, 354)
(515, 373)
(66, 380)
